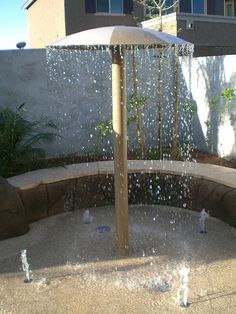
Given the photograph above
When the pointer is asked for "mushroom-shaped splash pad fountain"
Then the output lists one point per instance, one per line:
(119, 39)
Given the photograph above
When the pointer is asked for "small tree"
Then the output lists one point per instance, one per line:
(134, 107)
(160, 105)
(137, 103)
(174, 148)
(157, 8)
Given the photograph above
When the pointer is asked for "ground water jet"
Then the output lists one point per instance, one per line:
(25, 266)
(87, 218)
(182, 294)
(203, 216)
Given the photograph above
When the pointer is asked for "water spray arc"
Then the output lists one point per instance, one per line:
(118, 39)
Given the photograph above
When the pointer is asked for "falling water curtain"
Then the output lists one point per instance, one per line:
(90, 6)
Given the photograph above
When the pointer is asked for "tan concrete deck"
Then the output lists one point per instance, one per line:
(218, 174)
(76, 270)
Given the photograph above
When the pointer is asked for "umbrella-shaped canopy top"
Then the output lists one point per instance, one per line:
(119, 35)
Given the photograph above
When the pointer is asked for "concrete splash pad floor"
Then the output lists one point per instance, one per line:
(76, 270)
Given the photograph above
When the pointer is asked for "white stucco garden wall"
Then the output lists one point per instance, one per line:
(206, 78)
(78, 101)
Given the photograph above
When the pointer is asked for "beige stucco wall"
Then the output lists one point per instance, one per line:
(46, 22)
(168, 27)
(169, 24)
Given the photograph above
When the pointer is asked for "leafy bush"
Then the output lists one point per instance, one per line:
(19, 137)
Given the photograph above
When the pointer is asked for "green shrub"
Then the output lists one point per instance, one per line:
(19, 138)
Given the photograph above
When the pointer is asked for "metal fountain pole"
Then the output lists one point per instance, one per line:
(120, 147)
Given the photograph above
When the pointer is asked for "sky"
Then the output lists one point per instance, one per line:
(13, 24)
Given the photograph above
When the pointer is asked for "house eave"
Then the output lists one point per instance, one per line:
(28, 4)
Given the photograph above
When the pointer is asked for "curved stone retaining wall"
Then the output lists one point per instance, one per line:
(48, 192)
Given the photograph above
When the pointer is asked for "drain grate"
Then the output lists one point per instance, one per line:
(160, 285)
(103, 229)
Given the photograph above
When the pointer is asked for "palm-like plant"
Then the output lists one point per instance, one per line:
(19, 137)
